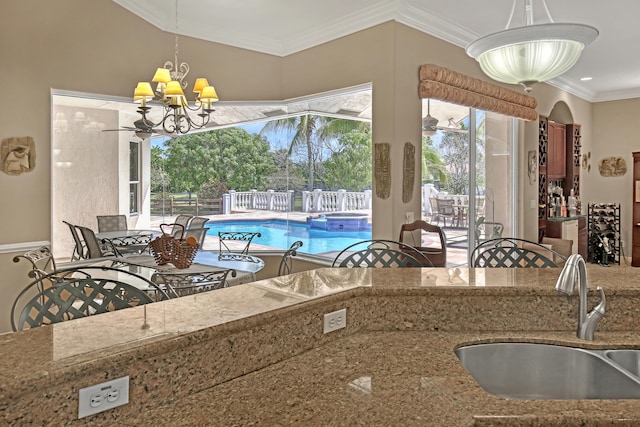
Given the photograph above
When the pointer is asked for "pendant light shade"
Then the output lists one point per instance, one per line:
(531, 53)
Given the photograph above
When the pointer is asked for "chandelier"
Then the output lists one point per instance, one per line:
(169, 92)
(533, 52)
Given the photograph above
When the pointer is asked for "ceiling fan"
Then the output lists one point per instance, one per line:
(143, 129)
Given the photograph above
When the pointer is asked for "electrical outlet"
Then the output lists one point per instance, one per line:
(409, 217)
(101, 397)
(334, 320)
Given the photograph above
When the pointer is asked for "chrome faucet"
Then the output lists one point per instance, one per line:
(574, 270)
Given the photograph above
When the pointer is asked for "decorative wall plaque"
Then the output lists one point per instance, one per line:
(408, 171)
(18, 155)
(612, 166)
(382, 169)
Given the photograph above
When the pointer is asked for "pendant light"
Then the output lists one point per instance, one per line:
(531, 53)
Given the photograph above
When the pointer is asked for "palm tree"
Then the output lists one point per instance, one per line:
(433, 165)
(308, 129)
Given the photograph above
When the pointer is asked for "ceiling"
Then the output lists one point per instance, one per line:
(283, 27)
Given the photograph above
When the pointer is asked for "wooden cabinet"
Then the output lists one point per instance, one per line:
(574, 230)
(557, 151)
(635, 235)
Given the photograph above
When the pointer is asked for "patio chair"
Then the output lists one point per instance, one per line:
(511, 252)
(41, 260)
(445, 210)
(79, 249)
(236, 241)
(198, 233)
(197, 222)
(182, 221)
(287, 258)
(380, 254)
(94, 249)
(181, 284)
(436, 255)
(79, 292)
(111, 223)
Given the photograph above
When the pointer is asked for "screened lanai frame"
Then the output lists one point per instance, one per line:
(86, 115)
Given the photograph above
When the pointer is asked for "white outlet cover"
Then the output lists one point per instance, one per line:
(334, 321)
(100, 397)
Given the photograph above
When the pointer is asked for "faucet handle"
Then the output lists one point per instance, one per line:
(600, 308)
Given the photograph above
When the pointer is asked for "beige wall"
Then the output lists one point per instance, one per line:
(99, 47)
(614, 134)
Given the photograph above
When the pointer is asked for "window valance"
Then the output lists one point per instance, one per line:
(446, 85)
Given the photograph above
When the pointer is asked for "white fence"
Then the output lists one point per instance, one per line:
(312, 201)
(332, 201)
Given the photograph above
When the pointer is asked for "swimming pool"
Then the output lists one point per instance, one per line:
(281, 234)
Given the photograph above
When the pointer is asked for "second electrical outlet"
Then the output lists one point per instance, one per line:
(334, 320)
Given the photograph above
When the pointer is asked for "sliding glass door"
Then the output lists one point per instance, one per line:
(468, 188)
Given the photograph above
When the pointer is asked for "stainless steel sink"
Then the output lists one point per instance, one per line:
(542, 371)
(627, 359)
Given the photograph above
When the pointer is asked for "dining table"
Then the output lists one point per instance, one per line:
(208, 265)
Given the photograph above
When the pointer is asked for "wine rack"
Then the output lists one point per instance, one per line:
(604, 233)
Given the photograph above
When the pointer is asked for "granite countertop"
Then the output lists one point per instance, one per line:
(255, 354)
(389, 379)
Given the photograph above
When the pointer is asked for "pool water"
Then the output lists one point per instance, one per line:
(281, 234)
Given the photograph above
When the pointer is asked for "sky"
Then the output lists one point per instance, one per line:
(277, 139)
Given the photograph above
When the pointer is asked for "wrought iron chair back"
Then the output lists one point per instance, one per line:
(436, 255)
(41, 260)
(380, 253)
(236, 241)
(286, 262)
(511, 252)
(111, 223)
(79, 292)
(178, 285)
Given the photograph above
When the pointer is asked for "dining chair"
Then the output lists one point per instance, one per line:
(511, 252)
(197, 222)
(287, 258)
(181, 222)
(94, 249)
(79, 249)
(41, 260)
(445, 210)
(236, 241)
(111, 223)
(79, 292)
(179, 284)
(380, 253)
(199, 233)
(437, 255)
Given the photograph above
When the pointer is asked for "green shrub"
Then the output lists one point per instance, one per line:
(212, 190)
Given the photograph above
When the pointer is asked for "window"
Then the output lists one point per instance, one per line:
(134, 176)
